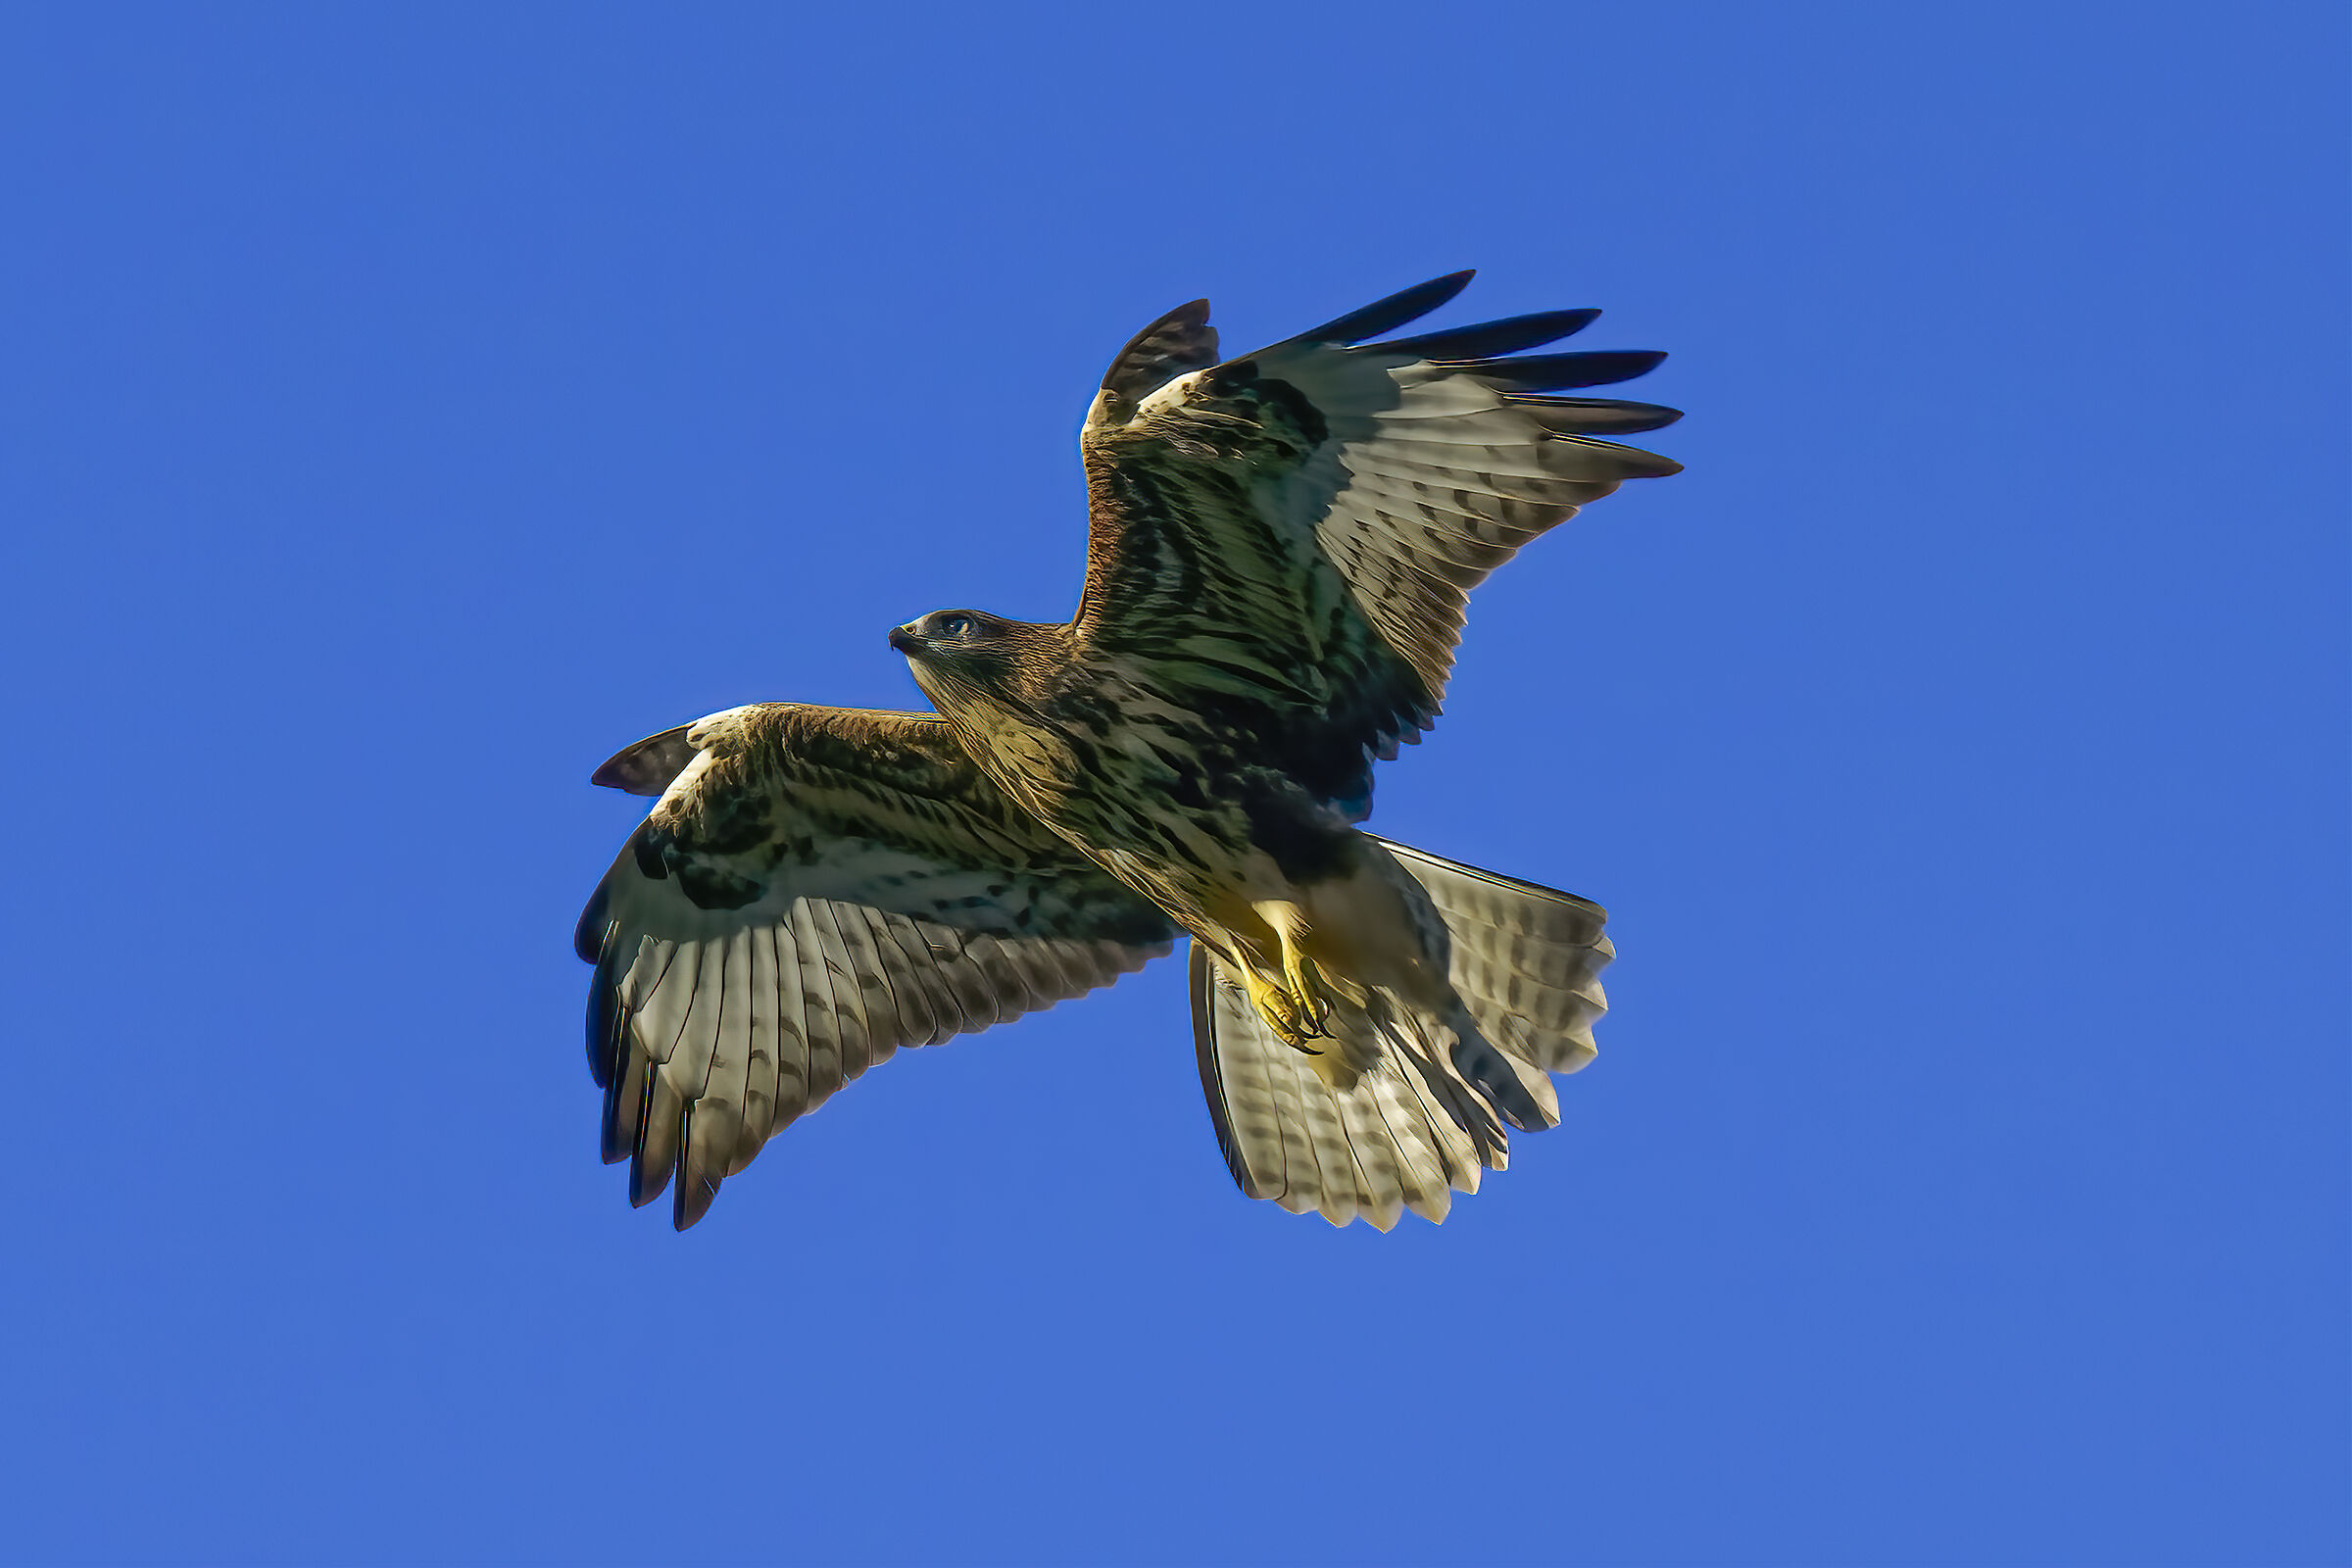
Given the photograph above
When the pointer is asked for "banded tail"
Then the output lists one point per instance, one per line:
(1402, 1108)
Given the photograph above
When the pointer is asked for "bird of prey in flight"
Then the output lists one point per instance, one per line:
(1279, 554)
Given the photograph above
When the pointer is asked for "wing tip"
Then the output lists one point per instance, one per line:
(1389, 314)
(1593, 416)
(1632, 463)
(1559, 372)
(1466, 346)
(645, 1183)
(691, 1201)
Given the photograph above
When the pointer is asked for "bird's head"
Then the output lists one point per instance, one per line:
(962, 657)
(947, 635)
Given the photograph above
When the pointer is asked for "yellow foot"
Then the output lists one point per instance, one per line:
(1299, 1008)
(1307, 991)
(1290, 1022)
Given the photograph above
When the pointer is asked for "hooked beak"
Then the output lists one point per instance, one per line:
(904, 641)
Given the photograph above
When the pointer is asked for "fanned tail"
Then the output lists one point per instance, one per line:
(1400, 1107)
(1526, 962)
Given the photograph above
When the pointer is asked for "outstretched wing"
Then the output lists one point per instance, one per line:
(815, 888)
(1292, 536)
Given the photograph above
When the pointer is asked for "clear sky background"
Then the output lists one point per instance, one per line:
(407, 406)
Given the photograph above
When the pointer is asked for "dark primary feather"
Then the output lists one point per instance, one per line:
(1593, 415)
(1287, 541)
(1555, 372)
(1387, 315)
(818, 888)
(1508, 336)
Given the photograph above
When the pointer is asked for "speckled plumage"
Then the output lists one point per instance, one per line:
(1280, 554)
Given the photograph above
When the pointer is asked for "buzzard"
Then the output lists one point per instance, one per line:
(1279, 550)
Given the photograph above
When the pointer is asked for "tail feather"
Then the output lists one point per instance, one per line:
(1401, 1106)
(1526, 958)
(1319, 1135)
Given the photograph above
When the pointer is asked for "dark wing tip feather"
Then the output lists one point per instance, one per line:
(1633, 463)
(648, 1178)
(655, 1141)
(605, 1038)
(1490, 338)
(1552, 372)
(697, 1186)
(616, 1133)
(692, 1202)
(1593, 415)
(1387, 316)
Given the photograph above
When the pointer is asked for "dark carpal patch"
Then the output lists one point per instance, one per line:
(646, 847)
(1287, 410)
(707, 884)
(713, 887)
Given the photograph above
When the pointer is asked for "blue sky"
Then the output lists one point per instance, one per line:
(407, 406)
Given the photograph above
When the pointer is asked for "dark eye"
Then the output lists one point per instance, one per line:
(955, 625)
